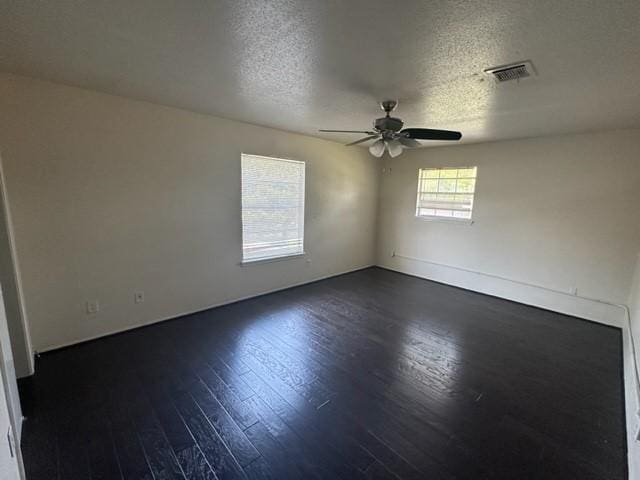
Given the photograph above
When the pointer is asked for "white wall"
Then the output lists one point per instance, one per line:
(556, 212)
(111, 196)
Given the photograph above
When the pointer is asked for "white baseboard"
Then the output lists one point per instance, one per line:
(597, 310)
(191, 312)
(510, 289)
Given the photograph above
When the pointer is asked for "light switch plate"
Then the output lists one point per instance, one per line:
(93, 307)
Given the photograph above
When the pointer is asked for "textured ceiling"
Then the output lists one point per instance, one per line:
(302, 65)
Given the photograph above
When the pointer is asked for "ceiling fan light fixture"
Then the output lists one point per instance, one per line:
(409, 142)
(377, 148)
(394, 148)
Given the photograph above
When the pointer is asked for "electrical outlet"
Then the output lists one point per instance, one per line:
(574, 291)
(138, 297)
(93, 307)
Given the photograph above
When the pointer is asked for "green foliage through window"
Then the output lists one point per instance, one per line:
(446, 192)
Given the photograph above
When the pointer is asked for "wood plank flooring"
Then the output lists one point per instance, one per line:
(369, 375)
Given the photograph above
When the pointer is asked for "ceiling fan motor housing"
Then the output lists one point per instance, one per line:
(388, 123)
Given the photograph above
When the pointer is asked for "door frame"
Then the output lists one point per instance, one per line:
(15, 424)
(28, 347)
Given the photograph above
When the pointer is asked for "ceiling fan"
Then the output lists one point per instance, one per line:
(391, 137)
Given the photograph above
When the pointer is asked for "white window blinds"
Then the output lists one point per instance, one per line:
(446, 192)
(272, 207)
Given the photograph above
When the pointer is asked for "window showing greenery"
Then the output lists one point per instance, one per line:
(272, 207)
(446, 192)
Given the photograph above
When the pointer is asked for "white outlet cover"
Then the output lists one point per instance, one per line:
(93, 306)
(138, 297)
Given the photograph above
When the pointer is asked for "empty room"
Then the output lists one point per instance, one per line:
(296, 239)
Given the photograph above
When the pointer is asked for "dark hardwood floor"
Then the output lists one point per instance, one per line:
(372, 374)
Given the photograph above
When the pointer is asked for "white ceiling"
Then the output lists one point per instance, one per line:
(302, 65)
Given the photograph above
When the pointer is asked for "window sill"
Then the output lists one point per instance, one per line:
(257, 261)
(456, 221)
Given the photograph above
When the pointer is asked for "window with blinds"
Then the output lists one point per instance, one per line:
(446, 193)
(272, 207)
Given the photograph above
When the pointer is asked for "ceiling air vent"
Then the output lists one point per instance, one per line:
(515, 71)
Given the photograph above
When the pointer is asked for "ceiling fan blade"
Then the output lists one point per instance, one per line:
(377, 148)
(430, 134)
(368, 132)
(370, 137)
(394, 148)
(409, 142)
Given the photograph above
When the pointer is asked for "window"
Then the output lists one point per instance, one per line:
(272, 208)
(446, 193)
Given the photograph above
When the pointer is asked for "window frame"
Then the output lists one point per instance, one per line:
(274, 258)
(438, 218)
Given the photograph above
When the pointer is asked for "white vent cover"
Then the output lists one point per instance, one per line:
(514, 71)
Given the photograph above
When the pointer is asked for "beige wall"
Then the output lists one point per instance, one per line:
(111, 196)
(559, 212)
